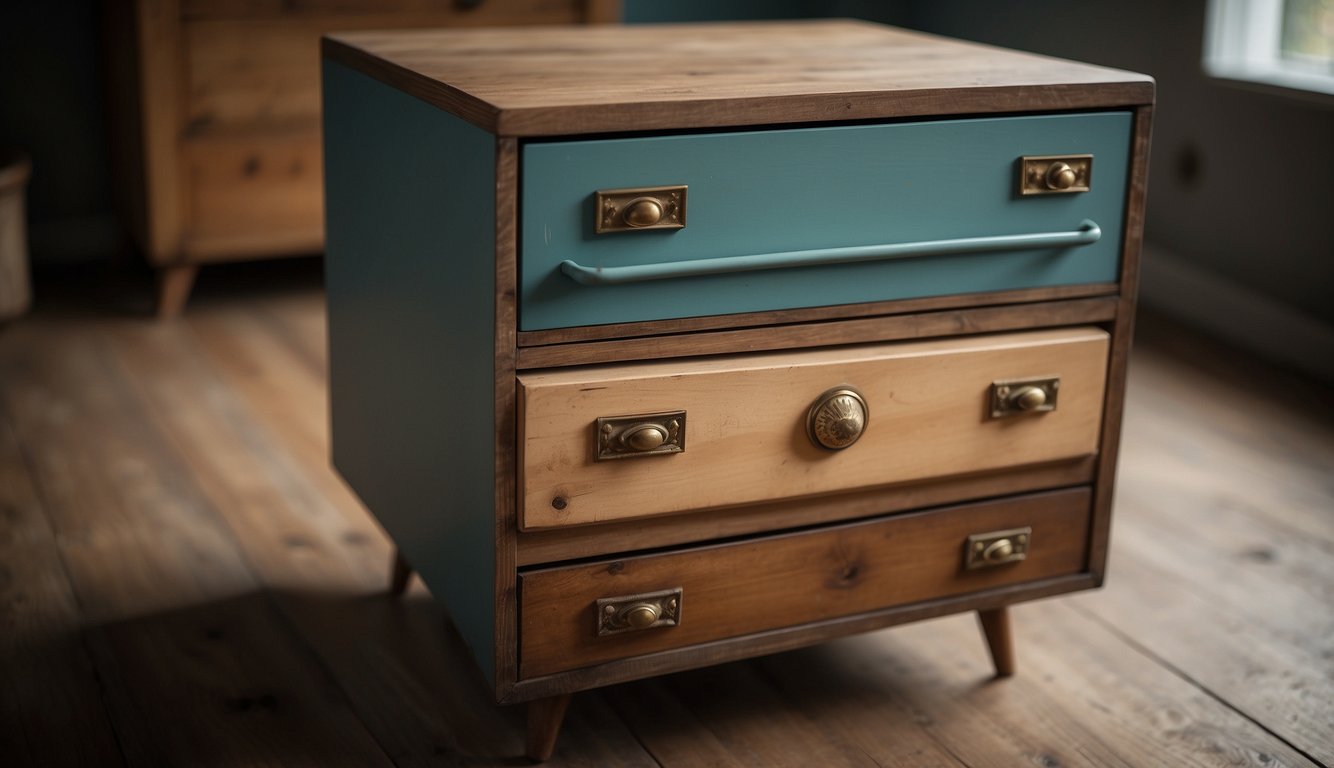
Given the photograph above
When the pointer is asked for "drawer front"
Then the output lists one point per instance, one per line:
(745, 427)
(250, 65)
(755, 194)
(789, 580)
(254, 194)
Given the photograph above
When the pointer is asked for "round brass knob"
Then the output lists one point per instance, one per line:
(1029, 398)
(642, 212)
(837, 419)
(645, 437)
(1061, 176)
(998, 551)
(641, 616)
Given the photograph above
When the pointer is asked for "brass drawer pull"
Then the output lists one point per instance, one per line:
(624, 210)
(651, 434)
(635, 612)
(837, 419)
(1017, 396)
(1055, 174)
(997, 548)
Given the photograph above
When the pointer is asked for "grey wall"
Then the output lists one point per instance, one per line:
(1241, 182)
(52, 109)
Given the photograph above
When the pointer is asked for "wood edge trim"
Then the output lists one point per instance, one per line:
(943, 323)
(1077, 494)
(574, 120)
(505, 587)
(433, 92)
(602, 11)
(540, 546)
(774, 641)
(158, 63)
(1100, 520)
(651, 328)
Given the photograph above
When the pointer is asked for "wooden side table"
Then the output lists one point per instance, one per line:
(217, 110)
(660, 347)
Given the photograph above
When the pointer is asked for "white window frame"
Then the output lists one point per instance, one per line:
(1241, 42)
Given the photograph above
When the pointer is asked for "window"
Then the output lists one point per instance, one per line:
(1288, 43)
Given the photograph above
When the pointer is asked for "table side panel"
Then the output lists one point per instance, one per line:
(411, 284)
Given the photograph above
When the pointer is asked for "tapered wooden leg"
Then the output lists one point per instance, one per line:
(173, 289)
(544, 719)
(399, 573)
(996, 628)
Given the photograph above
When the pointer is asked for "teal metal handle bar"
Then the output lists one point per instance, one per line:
(1087, 234)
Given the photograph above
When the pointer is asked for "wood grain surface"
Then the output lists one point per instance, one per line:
(1223, 497)
(791, 579)
(550, 545)
(944, 322)
(249, 192)
(808, 314)
(504, 323)
(214, 111)
(250, 66)
(745, 423)
(652, 77)
(52, 686)
(1123, 333)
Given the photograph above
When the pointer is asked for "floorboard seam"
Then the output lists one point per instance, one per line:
(166, 435)
(775, 681)
(39, 491)
(629, 728)
(1148, 653)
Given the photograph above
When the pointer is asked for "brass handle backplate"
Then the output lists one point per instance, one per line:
(1055, 174)
(997, 548)
(625, 210)
(635, 612)
(649, 434)
(1013, 397)
(837, 419)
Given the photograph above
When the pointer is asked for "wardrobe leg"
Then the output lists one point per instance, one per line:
(996, 627)
(544, 719)
(399, 573)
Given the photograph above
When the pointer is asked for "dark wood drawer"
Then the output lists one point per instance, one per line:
(794, 579)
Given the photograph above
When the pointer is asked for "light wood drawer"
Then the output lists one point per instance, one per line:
(745, 433)
(249, 66)
(794, 579)
(254, 194)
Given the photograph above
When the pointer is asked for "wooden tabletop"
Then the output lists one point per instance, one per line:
(561, 81)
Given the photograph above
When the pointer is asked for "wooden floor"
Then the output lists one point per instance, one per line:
(184, 582)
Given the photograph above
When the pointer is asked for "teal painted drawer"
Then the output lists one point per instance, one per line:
(852, 189)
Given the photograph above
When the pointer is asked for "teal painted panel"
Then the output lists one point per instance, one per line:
(778, 191)
(410, 273)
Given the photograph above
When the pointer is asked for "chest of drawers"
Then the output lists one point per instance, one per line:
(215, 107)
(659, 347)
